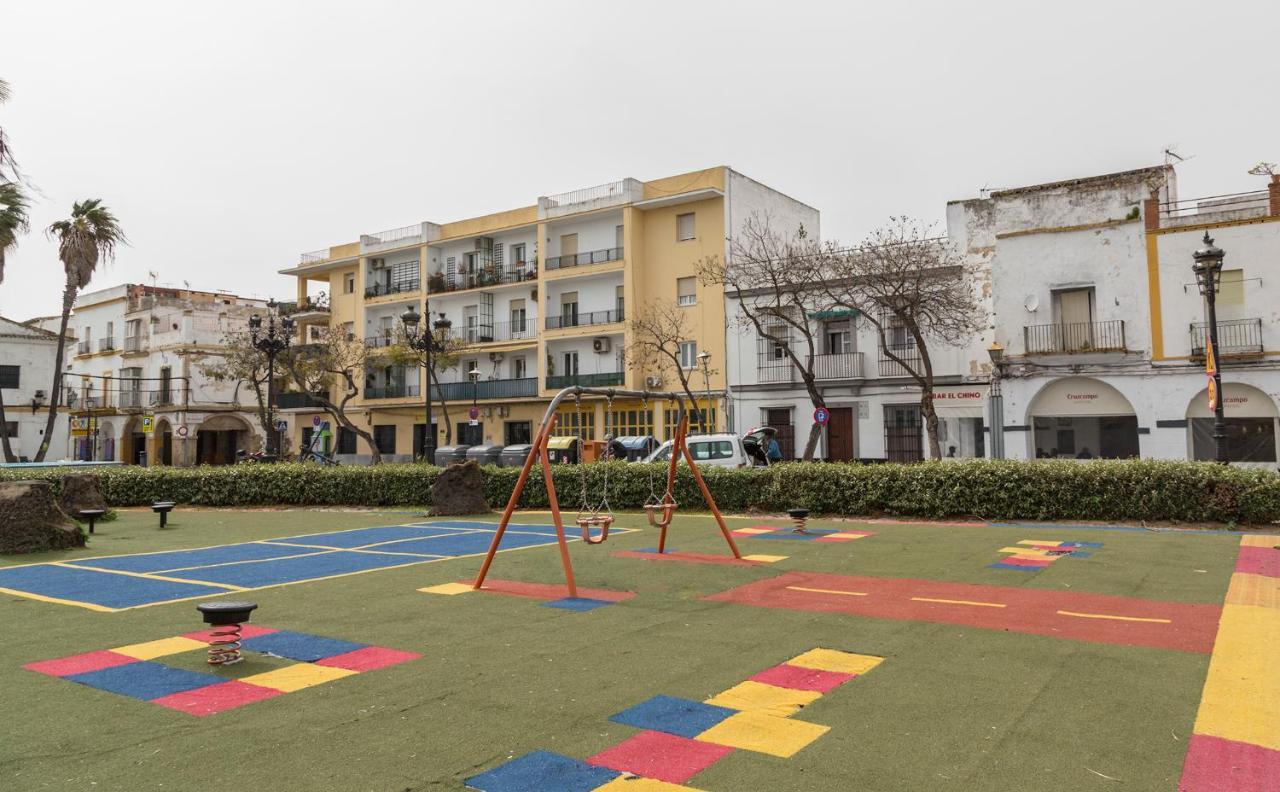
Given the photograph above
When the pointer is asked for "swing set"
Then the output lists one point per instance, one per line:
(659, 509)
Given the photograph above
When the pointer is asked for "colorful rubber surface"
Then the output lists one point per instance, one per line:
(121, 582)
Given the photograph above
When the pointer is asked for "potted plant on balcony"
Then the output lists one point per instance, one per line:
(435, 282)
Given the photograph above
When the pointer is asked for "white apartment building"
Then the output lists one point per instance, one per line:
(26, 375)
(137, 390)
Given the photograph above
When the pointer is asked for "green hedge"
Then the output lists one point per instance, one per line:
(1043, 490)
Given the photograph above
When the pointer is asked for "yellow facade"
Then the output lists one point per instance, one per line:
(652, 260)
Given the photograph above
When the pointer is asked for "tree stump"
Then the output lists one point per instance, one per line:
(80, 491)
(31, 522)
(459, 490)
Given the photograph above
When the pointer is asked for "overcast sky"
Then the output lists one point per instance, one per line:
(229, 137)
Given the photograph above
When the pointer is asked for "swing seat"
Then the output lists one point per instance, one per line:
(667, 510)
(601, 521)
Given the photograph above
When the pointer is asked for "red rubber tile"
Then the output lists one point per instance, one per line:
(688, 558)
(797, 678)
(1217, 765)
(1027, 562)
(80, 664)
(664, 757)
(543, 591)
(246, 631)
(1259, 561)
(1190, 627)
(216, 698)
(368, 659)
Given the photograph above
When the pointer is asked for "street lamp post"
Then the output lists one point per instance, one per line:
(474, 376)
(704, 359)
(997, 400)
(428, 342)
(1208, 270)
(272, 342)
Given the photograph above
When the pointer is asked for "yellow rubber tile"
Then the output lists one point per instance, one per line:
(1259, 590)
(1241, 698)
(832, 660)
(1260, 541)
(162, 648)
(638, 784)
(1030, 552)
(297, 677)
(845, 535)
(759, 697)
(767, 734)
(447, 588)
(1038, 543)
(765, 558)
(754, 530)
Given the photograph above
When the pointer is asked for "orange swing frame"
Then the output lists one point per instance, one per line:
(538, 453)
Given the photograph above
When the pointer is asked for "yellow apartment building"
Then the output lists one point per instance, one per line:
(541, 295)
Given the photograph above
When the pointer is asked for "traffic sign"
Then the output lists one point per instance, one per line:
(182, 431)
(315, 420)
(148, 424)
(282, 426)
(821, 415)
(474, 413)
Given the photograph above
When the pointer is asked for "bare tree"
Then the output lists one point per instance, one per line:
(657, 330)
(328, 371)
(444, 356)
(776, 281)
(241, 363)
(913, 288)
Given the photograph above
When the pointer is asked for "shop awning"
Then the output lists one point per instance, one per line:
(1082, 396)
(836, 313)
(960, 401)
(1239, 401)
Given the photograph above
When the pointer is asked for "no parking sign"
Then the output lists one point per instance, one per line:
(821, 415)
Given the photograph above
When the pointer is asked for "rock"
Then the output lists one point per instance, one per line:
(459, 490)
(79, 492)
(30, 520)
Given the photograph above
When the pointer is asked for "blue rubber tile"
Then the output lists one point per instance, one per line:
(677, 716)
(1085, 544)
(1079, 554)
(492, 526)
(1015, 567)
(290, 570)
(471, 544)
(787, 533)
(98, 588)
(299, 646)
(145, 680)
(577, 603)
(359, 537)
(542, 771)
(180, 559)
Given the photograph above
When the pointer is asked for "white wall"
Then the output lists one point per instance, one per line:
(438, 254)
(595, 293)
(595, 232)
(589, 361)
(33, 354)
(745, 196)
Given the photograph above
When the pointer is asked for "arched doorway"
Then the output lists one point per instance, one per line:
(164, 443)
(105, 439)
(219, 437)
(133, 443)
(1082, 418)
(1251, 425)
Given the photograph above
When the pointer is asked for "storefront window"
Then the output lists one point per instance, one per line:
(961, 438)
(1086, 437)
(1248, 439)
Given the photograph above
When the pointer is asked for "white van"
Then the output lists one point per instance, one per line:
(721, 450)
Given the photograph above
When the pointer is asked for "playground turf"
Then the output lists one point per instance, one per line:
(688, 672)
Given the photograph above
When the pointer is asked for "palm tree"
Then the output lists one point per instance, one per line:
(90, 235)
(13, 221)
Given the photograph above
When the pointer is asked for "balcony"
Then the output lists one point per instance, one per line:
(1075, 338)
(485, 389)
(306, 309)
(134, 343)
(585, 259)
(397, 390)
(481, 278)
(131, 399)
(383, 289)
(500, 331)
(379, 342)
(584, 319)
(606, 380)
(83, 348)
(1236, 338)
(106, 344)
(839, 366)
(296, 401)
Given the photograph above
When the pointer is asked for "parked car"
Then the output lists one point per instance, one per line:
(720, 450)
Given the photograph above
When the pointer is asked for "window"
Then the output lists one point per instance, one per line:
(166, 385)
(517, 432)
(12, 428)
(569, 309)
(570, 364)
(684, 227)
(384, 438)
(618, 236)
(404, 275)
(518, 316)
(1230, 299)
(672, 417)
(719, 449)
(688, 354)
(9, 376)
(468, 367)
(346, 441)
(686, 291)
(619, 303)
(1248, 439)
(568, 248)
(839, 339)
(349, 283)
(570, 422)
(518, 254)
(518, 368)
(470, 435)
(633, 423)
(1086, 437)
(111, 327)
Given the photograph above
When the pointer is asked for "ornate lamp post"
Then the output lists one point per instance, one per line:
(474, 376)
(704, 360)
(1208, 270)
(428, 342)
(997, 400)
(272, 342)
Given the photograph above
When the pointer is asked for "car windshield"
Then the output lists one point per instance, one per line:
(718, 449)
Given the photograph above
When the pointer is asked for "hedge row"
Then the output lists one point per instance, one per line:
(1043, 490)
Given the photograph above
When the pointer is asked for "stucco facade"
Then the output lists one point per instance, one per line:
(26, 377)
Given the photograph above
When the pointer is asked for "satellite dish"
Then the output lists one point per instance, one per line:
(1032, 303)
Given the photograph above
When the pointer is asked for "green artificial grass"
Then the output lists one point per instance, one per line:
(949, 708)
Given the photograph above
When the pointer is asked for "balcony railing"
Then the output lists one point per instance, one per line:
(585, 380)
(584, 319)
(131, 399)
(83, 348)
(296, 401)
(1071, 338)
(1236, 338)
(383, 289)
(308, 305)
(486, 389)
(500, 331)
(106, 344)
(907, 353)
(379, 342)
(133, 343)
(397, 390)
(585, 259)
(481, 278)
(836, 366)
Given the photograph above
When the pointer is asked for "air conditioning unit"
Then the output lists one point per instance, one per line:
(378, 263)
(601, 345)
(495, 357)
(653, 382)
(486, 412)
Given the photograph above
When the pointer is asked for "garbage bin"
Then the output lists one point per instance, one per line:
(562, 449)
(638, 446)
(447, 455)
(515, 455)
(142, 459)
(485, 454)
